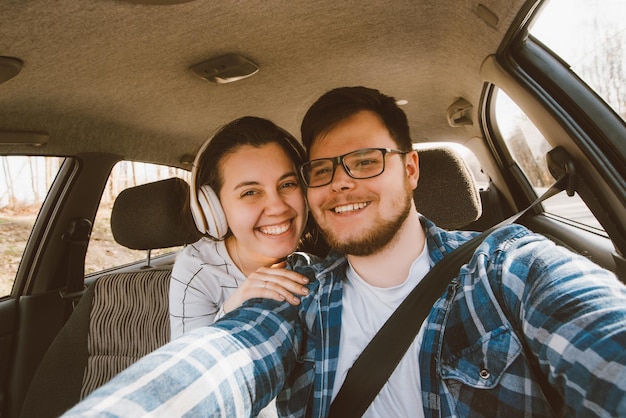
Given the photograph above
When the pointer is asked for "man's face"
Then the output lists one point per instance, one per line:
(361, 216)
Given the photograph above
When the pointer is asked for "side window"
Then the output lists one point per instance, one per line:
(590, 36)
(103, 252)
(528, 148)
(25, 183)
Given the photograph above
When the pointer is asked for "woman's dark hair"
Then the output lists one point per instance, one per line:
(248, 130)
(341, 103)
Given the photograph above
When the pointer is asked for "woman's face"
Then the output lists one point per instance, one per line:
(263, 202)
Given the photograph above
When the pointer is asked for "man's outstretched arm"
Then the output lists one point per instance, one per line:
(233, 368)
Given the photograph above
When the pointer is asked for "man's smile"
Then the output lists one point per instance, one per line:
(350, 207)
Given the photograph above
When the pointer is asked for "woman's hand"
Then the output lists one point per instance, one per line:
(274, 282)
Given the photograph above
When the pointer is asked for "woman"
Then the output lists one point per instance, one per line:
(246, 198)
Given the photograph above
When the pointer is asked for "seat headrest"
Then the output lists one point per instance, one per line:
(154, 215)
(446, 192)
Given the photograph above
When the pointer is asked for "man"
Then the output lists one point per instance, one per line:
(521, 314)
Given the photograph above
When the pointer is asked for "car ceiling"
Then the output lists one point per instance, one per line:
(113, 76)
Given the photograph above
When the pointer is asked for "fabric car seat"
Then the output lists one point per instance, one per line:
(446, 192)
(122, 316)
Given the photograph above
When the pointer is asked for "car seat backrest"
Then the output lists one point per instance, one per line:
(154, 215)
(122, 316)
(446, 192)
(129, 319)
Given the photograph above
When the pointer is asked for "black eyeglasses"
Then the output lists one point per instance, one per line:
(360, 164)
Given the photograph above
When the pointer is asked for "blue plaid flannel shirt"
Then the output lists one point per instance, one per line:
(521, 299)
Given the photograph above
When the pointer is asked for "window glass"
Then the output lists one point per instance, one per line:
(103, 252)
(528, 148)
(590, 35)
(25, 182)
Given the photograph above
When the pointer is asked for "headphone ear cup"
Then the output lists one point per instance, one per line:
(211, 213)
(196, 211)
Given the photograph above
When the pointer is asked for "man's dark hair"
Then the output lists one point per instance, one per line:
(341, 103)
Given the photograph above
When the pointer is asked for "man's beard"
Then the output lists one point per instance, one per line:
(377, 238)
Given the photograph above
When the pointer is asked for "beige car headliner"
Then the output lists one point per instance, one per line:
(113, 76)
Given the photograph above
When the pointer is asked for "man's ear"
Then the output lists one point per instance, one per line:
(412, 168)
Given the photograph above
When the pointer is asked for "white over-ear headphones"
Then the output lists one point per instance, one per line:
(206, 208)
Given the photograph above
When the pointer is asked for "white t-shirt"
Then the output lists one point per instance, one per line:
(203, 277)
(365, 309)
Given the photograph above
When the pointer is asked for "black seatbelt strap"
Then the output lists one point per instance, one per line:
(376, 363)
(78, 237)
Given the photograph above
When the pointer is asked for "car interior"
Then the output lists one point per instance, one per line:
(124, 316)
(101, 88)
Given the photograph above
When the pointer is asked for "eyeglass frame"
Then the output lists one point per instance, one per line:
(339, 160)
